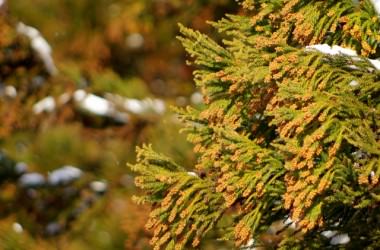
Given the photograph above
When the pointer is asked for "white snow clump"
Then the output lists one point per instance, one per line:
(39, 45)
(340, 239)
(334, 50)
(140, 107)
(192, 174)
(16, 226)
(92, 103)
(376, 5)
(354, 83)
(10, 91)
(45, 105)
(328, 234)
(338, 50)
(31, 180)
(99, 186)
(64, 175)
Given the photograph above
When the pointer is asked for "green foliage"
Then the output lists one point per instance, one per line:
(288, 132)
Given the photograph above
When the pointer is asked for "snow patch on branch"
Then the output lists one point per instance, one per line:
(250, 245)
(338, 50)
(340, 239)
(31, 180)
(92, 103)
(16, 226)
(354, 83)
(329, 234)
(336, 238)
(334, 50)
(64, 175)
(99, 186)
(290, 223)
(45, 105)
(8, 91)
(39, 45)
(142, 108)
(192, 174)
(112, 106)
(375, 63)
(376, 5)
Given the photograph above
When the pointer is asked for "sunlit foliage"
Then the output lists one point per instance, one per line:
(289, 133)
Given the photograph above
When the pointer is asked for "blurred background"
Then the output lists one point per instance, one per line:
(83, 82)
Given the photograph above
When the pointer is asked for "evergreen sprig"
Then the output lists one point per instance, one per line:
(288, 132)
